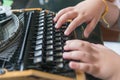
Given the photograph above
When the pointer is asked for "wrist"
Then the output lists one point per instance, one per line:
(115, 71)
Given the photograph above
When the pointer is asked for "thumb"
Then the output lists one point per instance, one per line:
(85, 67)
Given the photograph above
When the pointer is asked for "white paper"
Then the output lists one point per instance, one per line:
(115, 46)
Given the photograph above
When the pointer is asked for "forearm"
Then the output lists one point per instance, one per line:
(112, 16)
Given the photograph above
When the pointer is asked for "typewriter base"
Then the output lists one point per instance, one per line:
(37, 75)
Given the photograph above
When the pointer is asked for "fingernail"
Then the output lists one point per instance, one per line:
(65, 55)
(86, 35)
(66, 33)
(54, 19)
(56, 26)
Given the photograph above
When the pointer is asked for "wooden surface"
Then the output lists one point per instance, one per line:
(37, 75)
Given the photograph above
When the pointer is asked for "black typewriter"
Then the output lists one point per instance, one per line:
(29, 41)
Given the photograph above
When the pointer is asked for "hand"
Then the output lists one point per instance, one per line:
(88, 11)
(95, 59)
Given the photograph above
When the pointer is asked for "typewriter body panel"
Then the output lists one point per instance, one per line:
(35, 49)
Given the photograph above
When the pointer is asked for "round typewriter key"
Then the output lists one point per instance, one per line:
(41, 28)
(49, 37)
(49, 32)
(49, 47)
(40, 32)
(58, 34)
(40, 37)
(38, 53)
(60, 65)
(37, 59)
(59, 48)
(42, 17)
(50, 18)
(50, 29)
(49, 52)
(40, 41)
(49, 58)
(49, 42)
(50, 25)
(49, 22)
(38, 47)
(58, 39)
(58, 54)
(58, 43)
(41, 24)
(41, 21)
(42, 14)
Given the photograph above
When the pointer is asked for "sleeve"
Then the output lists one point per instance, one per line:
(117, 3)
(118, 22)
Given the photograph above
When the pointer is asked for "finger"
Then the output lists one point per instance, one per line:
(71, 45)
(90, 27)
(85, 67)
(75, 23)
(61, 12)
(64, 18)
(74, 55)
(78, 55)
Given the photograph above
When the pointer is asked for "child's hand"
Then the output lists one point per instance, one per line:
(88, 11)
(95, 59)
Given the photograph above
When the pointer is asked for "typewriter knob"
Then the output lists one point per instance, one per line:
(5, 12)
(2, 71)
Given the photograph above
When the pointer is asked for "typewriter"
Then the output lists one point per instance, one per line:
(31, 48)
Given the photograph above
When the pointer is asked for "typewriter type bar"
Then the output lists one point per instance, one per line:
(39, 55)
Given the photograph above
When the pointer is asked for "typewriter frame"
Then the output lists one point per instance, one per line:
(35, 74)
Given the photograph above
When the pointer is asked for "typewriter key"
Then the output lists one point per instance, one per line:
(41, 21)
(60, 65)
(38, 53)
(40, 32)
(41, 24)
(50, 29)
(49, 58)
(48, 47)
(50, 18)
(49, 37)
(49, 22)
(40, 41)
(59, 48)
(58, 34)
(41, 28)
(49, 42)
(50, 25)
(41, 14)
(49, 33)
(58, 43)
(39, 37)
(58, 54)
(58, 39)
(49, 52)
(37, 59)
(41, 17)
(38, 47)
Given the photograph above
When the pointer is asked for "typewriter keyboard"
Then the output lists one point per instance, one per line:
(44, 46)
